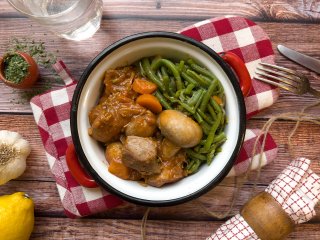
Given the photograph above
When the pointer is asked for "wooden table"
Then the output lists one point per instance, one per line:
(293, 23)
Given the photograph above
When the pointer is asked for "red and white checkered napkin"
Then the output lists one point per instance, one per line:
(296, 189)
(246, 39)
(51, 111)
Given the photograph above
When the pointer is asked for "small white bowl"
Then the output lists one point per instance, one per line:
(127, 51)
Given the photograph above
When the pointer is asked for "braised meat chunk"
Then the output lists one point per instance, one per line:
(114, 157)
(116, 106)
(119, 81)
(146, 127)
(141, 154)
(109, 117)
(171, 171)
(142, 125)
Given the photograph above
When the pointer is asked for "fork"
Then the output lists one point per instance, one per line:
(285, 78)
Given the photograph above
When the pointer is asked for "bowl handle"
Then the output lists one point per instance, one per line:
(240, 69)
(77, 171)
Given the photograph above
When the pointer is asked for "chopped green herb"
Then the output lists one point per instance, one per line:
(44, 58)
(36, 50)
(15, 68)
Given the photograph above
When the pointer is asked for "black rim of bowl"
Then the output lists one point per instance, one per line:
(74, 108)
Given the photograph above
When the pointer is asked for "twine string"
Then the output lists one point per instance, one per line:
(298, 117)
(144, 223)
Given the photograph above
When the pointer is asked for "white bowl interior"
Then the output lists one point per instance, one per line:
(127, 54)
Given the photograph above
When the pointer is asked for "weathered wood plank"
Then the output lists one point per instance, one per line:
(77, 55)
(165, 9)
(45, 193)
(103, 229)
(47, 202)
(304, 142)
(282, 20)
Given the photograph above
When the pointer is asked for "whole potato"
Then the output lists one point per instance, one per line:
(179, 128)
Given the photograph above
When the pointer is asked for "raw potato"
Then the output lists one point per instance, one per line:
(179, 128)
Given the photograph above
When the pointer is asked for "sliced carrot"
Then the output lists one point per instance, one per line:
(143, 86)
(217, 100)
(150, 102)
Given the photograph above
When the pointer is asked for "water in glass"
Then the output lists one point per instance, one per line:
(71, 19)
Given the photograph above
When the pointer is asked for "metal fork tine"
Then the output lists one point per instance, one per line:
(281, 68)
(274, 77)
(293, 79)
(284, 80)
(285, 87)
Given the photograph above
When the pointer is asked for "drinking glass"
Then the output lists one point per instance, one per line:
(70, 19)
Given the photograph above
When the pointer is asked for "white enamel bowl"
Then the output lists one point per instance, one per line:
(127, 51)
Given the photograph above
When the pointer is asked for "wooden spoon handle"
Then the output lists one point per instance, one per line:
(267, 218)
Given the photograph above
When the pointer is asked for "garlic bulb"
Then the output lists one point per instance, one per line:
(13, 153)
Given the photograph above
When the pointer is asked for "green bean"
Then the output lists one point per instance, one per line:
(202, 70)
(187, 107)
(162, 100)
(205, 127)
(190, 61)
(195, 98)
(164, 71)
(211, 155)
(170, 65)
(203, 82)
(220, 142)
(172, 86)
(156, 62)
(194, 167)
(214, 150)
(181, 66)
(223, 117)
(215, 105)
(195, 155)
(200, 100)
(196, 148)
(204, 116)
(142, 72)
(220, 87)
(212, 112)
(151, 75)
(212, 132)
(189, 88)
(181, 95)
(189, 79)
(165, 80)
(190, 163)
(198, 118)
(207, 96)
(174, 71)
(218, 90)
(184, 105)
(220, 137)
(219, 149)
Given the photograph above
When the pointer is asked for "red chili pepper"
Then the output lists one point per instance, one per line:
(77, 170)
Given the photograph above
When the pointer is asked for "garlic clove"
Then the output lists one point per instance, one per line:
(23, 147)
